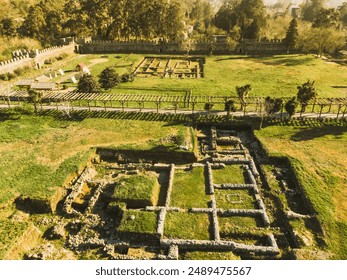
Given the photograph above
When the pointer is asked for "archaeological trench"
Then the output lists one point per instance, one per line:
(233, 201)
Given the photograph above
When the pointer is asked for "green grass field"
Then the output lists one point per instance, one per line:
(138, 222)
(319, 159)
(234, 199)
(230, 174)
(141, 190)
(275, 75)
(189, 189)
(181, 225)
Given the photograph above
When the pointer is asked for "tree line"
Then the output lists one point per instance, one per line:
(318, 28)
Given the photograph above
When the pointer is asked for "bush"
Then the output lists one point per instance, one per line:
(127, 77)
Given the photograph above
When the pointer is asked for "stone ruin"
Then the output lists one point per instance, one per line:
(90, 221)
(175, 67)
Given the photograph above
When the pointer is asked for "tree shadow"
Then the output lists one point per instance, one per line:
(288, 61)
(316, 132)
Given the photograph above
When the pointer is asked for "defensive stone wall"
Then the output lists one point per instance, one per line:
(162, 47)
(33, 58)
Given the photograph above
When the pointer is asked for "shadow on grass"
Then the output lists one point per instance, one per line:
(316, 132)
(287, 61)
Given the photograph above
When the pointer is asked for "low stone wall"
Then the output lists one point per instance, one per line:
(161, 221)
(221, 245)
(169, 189)
(234, 186)
(210, 178)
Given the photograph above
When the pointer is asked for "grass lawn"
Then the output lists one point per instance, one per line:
(138, 222)
(38, 153)
(319, 159)
(230, 174)
(141, 190)
(228, 224)
(234, 199)
(189, 189)
(275, 76)
(182, 225)
(10, 231)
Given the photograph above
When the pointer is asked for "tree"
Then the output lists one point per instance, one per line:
(208, 106)
(248, 15)
(291, 39)
(343, 13)
(272, 105)
(321, 40)
(291, 106)
(326, 18)
(87, 84)
(310, 8)
(229, 106)
(306, 92)
(242, 93)
(254, 29)
(8, 27)
(34, 23)
(35, 98)
(108, 78)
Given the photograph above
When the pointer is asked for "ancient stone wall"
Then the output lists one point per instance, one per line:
(33, 59)
(155, 47)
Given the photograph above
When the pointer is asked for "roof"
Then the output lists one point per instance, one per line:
(82, 65)
(43, 86)
(25, 82)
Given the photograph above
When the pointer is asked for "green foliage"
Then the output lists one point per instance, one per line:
(35, 98)
(322, 40)
(108, 78)
(248, 15)
(306, 92)
(243, 93)
(208, 106)
(326, 18)
(310, 9)
(87, 83)
(291, 39)
(272, 105)
(229, 106)
(291, 106)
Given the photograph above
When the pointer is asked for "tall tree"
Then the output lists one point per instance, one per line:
(292, 35)
(310, 9)
(34, 23)
(326, 18)
(343, 13)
